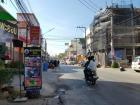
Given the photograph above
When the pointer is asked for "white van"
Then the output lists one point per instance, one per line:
(136, 63)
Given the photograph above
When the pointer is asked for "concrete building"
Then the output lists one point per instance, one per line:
(115, 34)
(75, 49)
(8, 32)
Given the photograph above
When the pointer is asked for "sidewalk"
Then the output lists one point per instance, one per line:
(127, 70)
(48, 91)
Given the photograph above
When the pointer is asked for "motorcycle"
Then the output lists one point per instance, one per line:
(91, 77)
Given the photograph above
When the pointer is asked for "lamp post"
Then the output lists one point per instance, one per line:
(46, 40)
(85, 38)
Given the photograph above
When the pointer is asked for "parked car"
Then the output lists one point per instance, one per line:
(70, 62)
(136, 64)
(63, 62)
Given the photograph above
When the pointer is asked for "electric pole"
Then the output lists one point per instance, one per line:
(45, 48)
(85, 38)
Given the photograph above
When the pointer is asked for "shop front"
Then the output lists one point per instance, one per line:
(8, 32)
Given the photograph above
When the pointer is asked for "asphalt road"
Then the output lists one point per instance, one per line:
(113, 87)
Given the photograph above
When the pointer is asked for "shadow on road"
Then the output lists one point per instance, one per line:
(109, 92)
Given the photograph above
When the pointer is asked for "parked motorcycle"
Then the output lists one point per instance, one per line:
(91, 77)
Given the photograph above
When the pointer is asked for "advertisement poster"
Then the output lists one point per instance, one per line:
(34, 35)
(22, 35)
(32, 71)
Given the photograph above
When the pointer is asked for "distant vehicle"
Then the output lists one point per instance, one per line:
(63, 62)
(70, 62)
(136, 64)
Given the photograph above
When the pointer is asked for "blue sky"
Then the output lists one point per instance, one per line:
(64, 16)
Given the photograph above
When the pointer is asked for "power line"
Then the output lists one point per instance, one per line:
(29, 6)
(86, 6)
(23, 10)
(57, 39)
(17, 9)
(94, 4)
(89, 4)
(14, 5)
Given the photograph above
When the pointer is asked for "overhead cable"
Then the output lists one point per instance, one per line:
(94, 4)
(17, 9)
(90, 5)
(86, 6)
(29, 6)
(23, 11)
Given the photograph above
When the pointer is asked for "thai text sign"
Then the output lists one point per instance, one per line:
(8, 27)
(32, 71)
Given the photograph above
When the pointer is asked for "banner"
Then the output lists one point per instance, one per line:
(32, 71)
(34, 35)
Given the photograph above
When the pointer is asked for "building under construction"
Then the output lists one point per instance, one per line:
(115, 34)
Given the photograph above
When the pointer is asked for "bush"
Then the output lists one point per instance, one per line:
(5, 76)
(114, 65)
(15, 64)
(2, 65)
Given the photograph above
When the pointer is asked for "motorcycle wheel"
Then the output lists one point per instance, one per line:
(93, 82)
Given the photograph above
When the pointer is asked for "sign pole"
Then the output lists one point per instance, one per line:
(20, 70)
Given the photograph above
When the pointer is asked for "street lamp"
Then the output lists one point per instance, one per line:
(46, 40)
(85, 38)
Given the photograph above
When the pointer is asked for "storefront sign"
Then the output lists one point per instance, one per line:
(8, 27)
(32, 71)
(34, 35)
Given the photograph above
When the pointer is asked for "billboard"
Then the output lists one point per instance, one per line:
(32, 70)
(34, 35)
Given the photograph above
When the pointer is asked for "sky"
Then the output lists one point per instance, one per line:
(63, 16)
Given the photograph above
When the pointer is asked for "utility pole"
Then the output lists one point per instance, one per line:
(76, 49)
(85, 38)
(45, 48)
(112, 39)
(26, 35)
(133, 38)
(46, 40)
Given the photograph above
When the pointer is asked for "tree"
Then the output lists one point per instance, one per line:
(61, 55)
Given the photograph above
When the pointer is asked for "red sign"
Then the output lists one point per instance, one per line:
(34, 35)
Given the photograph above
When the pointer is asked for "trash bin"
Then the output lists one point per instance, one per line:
(45, 66)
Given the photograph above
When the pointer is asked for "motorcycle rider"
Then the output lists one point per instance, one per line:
(90, 65)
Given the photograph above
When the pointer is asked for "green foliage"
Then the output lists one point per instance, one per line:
(114, 65)
(15, 64)
(82, 41)
(14, 94)
(2, 66)
(5, 76)
(61, 55)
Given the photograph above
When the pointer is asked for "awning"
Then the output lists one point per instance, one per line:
(4, 15)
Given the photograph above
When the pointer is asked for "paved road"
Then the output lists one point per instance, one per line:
(113, 87)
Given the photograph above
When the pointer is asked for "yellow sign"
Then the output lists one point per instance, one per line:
(8, 27)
